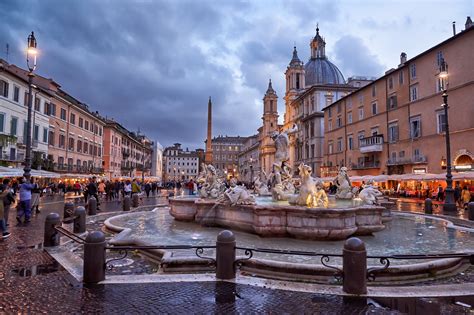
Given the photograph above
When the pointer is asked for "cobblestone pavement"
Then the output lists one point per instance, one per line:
(32, 282)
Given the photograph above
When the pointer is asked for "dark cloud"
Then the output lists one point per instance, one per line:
(353, 57)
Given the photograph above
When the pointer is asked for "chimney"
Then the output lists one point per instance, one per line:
(454, 28)
(403, 59)
(468, 23)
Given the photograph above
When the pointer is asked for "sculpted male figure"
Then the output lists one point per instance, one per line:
(282, 145)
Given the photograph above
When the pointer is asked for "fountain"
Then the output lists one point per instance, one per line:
(305, 212)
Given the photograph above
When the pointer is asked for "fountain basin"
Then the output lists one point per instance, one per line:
(277, 219)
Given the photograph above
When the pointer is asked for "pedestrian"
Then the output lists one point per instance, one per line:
(127, 188)
(101, 188)
(35, 196)
(8, 200)
(147, 189)
(135, 187)
(465, 197)
(3, 225)
(440, 195)
(457, 195)
(24, 208)
(92, 190)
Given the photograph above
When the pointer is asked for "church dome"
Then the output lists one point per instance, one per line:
(319, 70)
(322, 71)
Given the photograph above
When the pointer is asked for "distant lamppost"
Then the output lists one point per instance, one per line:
(251, 170)
(449, 203)
(30, 54)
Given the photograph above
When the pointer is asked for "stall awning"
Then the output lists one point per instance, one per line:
(18, 172)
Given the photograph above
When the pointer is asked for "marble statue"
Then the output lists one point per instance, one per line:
(282, 145)
(282, 185)
(237, 195)
(320, 199)
(307, 188)
(261, 184)
(211, 185)
(343, 183)
(369, 193)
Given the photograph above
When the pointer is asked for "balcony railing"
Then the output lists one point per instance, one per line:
(77, 169)
(19, 157)
(419, 159)
(364, 165)
(371, 144)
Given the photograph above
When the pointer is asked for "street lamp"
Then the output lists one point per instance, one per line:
(449, 203)
(31, 63)
(251, 171)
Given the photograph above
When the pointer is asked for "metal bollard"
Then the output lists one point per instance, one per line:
(68, 210)
(470, 209)
(225, 255)
(79, 220)
(354, 266)
(92, 206)
(135, 200)
(127, 202)
(94, 257)
(51, 236)
(428, 206)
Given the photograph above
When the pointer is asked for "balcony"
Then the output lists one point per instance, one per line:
(365, 165)
(19, 157)
(419, 159)
(371, 144)
(66, 168)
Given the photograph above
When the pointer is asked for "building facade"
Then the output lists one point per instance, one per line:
(249, 162)
(14, 116)
(157, 161)
(396, 124)
(225, 152)
(179, 164)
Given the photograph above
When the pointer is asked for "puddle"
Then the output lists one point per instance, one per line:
(37, 246)
(35, 270)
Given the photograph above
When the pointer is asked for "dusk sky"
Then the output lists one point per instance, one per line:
(153, 64)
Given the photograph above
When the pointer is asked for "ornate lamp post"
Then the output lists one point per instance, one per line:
(31, 63)
(449, 203)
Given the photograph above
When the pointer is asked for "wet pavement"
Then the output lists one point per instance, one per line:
(32, 282)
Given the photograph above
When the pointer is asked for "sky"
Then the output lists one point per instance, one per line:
(152, 64)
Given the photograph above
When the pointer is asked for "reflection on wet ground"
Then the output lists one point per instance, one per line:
(35, 270)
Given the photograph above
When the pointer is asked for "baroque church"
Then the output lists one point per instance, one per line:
(310, 88)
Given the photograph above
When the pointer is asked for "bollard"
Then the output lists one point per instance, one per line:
(94, 257)
(68, 210)
(126, 203)
(79, 220)
(51, 236)
(225, 255)
(135, 200)
(428, 206)
(92, 206)
(470, 211)
(354, 265)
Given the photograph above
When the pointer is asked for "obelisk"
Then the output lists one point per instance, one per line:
(208, 155)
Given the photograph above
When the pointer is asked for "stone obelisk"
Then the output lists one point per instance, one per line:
(208, 155)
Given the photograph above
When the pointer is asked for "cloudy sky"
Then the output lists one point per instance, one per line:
(152, 64)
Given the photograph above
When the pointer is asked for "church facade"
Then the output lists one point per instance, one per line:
(310, 87)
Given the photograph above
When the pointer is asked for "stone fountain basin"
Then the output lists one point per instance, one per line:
(280, 219)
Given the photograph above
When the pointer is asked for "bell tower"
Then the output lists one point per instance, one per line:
(295, 82)
(270, 125)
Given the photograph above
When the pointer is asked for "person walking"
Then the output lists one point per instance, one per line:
(4, 191)
(440, 196)
(24, 208)
(147, 189)
(465, 197)
(127, 188)
(35, 196)
(92, 191)
(8, 200)
(135, 187)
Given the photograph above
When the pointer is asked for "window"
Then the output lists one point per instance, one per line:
(25, 99)
(86, 125)
(37, 104)
(441, 122)
(339, 144)
(416, 154)
(45, 135)
(16, 94)
(2, 121)
(36, 133)
(393, 133)
(439, 58)
(79, 146)
(13, 126)
(441, 84)
(60, 160)
(62, 141)
(72, 119)
(361, 113)
(71, 144)
(349, 103)
(349, 118)
(46, 108)
(86, 147)
(330, 148)
(3, 88)
(400, 77)
(329, 112)
(52, 109)
(374, 108)
(81, 122)
(390, 83)
(51, 138)
(339, 121)
(338, 108)
(413, 71)
(350, 142)
(392, 102)
(360, 136)
(413, 93)
(312, 151)
(401, 154)
(374, 90)
(329, 125)
(100, 130)
(63, 114)
(415, 127)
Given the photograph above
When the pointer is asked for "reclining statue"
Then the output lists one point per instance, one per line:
(369, 193)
